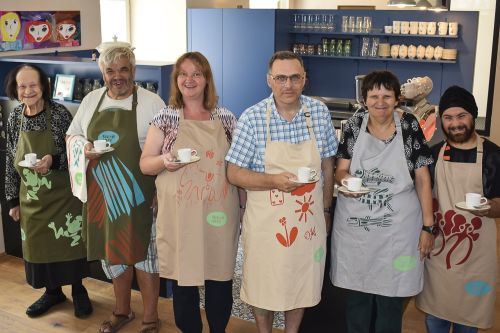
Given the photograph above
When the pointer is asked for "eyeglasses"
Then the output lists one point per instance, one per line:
(282, 79)
(195, 75)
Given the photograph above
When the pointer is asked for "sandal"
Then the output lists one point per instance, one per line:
(115, 322)
(151, 327)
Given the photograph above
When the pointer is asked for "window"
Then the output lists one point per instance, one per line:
(115, 20)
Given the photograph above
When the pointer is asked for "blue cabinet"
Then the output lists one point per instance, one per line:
(238, 44)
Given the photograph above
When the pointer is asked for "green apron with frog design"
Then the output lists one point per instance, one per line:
(51, 221)
(118, 211)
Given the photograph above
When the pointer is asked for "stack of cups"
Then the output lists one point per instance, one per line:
(384, 49)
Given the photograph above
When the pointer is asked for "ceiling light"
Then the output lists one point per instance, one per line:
(401, 3)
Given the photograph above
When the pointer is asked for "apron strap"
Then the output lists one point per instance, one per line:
(134, 100)
(307, 115)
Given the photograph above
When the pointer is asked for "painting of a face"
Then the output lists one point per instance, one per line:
(65, 30)
(10, 25)
(38, 31)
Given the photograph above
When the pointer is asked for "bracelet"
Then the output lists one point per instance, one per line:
(243, 207)
(327, 210)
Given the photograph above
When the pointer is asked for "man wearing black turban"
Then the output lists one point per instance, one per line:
(460, 275)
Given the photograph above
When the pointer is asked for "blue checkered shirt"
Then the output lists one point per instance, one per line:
(249, 138)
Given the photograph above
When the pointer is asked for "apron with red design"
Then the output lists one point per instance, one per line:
(461, 274)
(284, 234)
(198, 212)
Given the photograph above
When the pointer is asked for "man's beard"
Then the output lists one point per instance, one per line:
(460, 137)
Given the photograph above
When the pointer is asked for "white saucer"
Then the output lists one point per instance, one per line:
(194, 158)
(312, 180)
(104, 151)
(362, 190)
(461, 205)
(25, 163)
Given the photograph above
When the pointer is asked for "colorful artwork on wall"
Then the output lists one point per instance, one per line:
(26, 30)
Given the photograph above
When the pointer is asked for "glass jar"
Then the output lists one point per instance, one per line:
(347, 48)
(339, 49)
(332, 47)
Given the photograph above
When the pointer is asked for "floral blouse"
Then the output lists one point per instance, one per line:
(417, 152)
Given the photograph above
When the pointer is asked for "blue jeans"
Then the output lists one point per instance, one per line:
(438, 325)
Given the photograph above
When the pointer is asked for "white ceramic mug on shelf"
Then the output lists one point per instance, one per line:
(438, 52)
(453, 28)
(403, 51)
(431, 28)
(405, 27)
(422, 28)
(394, 50)
(412, 51)
(442, 28)
(429, 52)
(388, 29)
(420, 52)
(396, 27)
(413, 27)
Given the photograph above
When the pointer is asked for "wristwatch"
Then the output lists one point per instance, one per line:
(429, 228)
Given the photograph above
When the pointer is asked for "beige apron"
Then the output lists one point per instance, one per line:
(284, 234)
(461, 275)
(198, 210)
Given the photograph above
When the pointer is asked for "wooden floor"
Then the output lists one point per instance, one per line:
(16, 295)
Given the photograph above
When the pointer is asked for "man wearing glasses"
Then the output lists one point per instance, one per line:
(287, 217)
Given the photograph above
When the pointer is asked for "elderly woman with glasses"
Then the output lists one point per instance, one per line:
(39, 194)
(198, 210)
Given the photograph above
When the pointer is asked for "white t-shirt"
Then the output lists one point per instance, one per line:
(148, 104)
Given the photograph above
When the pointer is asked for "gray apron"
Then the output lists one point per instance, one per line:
(461, 275)
(375, 237)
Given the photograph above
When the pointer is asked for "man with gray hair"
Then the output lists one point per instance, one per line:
(118, 219)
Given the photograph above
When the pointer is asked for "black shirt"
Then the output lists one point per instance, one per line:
(491, 164)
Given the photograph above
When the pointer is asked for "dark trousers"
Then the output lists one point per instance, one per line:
(388, 312)
(218, 303)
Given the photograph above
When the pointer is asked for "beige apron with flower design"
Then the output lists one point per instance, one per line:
(284, 234)
(460, 278)
(198, 210)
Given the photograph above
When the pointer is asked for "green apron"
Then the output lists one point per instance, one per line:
(51, 221)
(118, 211)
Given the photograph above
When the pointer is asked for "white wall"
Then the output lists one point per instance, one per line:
(216, 3)
(158, 29)
(483, 49)
(89, 16)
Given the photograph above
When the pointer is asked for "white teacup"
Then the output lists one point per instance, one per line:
(30, 158)
(353, 184)
(453, 28)
(413, 27)
(305, 174)
(473, 200)
(101, 145)
(184, 154)
(431, 28)
(388, 29)
(442, 28)
(396, 27)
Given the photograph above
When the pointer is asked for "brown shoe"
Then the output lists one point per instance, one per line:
(115, 322)
(151, 327)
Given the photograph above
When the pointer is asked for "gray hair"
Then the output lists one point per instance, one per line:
(114, 53)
